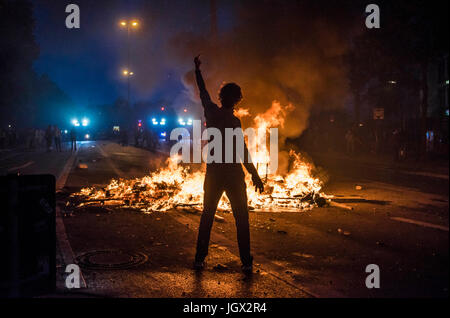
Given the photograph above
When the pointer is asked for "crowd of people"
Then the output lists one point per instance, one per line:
(50, 139)
(8, 138)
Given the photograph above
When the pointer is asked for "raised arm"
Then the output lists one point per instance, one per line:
(204, 95)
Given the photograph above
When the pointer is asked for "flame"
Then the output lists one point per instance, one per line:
(177, 185)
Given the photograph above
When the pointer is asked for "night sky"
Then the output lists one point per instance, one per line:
(86, 63)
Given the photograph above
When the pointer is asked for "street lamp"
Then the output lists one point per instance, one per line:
(128, 74)
(129, 25)
(132, 23)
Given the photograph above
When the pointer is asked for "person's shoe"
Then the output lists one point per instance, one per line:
(199, 265)
(247, 269)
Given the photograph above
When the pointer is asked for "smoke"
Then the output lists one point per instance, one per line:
(282, 51)
(290, 51)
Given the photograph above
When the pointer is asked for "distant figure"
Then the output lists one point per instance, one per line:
(3, 138)
(228, 177)
(350, 142)
(30, 138)
(49, 137)
(124, 137)
(73, 138)
(398, 145)
(57, 138)
(36, 134)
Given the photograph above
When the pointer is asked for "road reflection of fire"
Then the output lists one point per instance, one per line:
(177, 186)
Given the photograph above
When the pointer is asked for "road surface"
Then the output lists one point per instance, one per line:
(399, 222)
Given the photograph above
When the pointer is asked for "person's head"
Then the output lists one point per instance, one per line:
(230, 95)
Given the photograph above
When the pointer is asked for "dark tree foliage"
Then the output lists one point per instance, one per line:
(26, 99)
(413, 33)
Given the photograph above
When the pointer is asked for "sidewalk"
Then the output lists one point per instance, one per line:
(435, 168)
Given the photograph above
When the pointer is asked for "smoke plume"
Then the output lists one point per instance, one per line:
(279, 51)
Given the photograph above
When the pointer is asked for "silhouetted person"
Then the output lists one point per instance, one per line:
(57, 132)
(350, 142)
(49, 137)
(124, 137)
(73, 138)
(3, 138)
(228, 177)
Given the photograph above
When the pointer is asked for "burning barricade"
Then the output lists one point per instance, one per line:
(176, 186)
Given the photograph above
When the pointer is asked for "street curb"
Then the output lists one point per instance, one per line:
(63, 242)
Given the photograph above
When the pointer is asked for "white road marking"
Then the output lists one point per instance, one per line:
(29, 163)
(62, 178)
(420, 223)
(427, 174)
(116, 170)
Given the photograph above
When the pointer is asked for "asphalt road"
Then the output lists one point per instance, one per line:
(399, 221)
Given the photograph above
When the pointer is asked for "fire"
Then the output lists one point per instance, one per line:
(178, 186)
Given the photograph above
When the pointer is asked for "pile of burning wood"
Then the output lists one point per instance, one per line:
(177, 187)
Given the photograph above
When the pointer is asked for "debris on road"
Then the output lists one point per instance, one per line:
(219, 218)
(340, 205)
(346, 233)
(303, 255)
(220, 267)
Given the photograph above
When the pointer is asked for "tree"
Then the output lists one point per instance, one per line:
(412, 34)
(17, 53)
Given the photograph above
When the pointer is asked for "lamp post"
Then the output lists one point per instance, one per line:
(127, 73)
(129, 25)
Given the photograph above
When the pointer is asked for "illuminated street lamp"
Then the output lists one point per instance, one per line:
(129, 25)
(128, 74)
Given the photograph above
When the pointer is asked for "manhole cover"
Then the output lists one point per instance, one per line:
(111, 259)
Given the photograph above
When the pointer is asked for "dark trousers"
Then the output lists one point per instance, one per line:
(233, 184)
(58, 143)
(74, 145)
